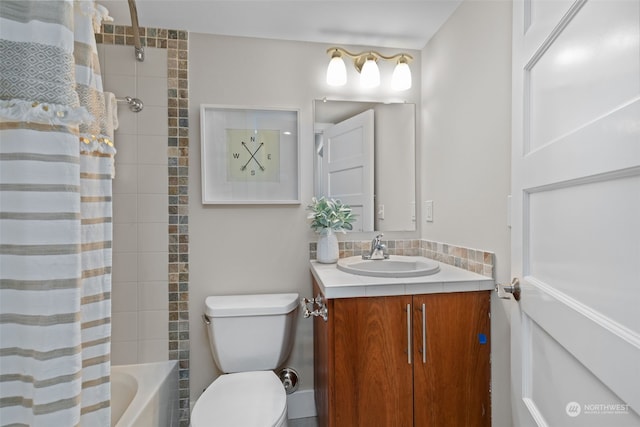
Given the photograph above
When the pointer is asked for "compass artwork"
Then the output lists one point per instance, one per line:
(249, 156)
(253, 155)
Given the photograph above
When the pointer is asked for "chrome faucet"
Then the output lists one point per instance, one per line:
(378, 250)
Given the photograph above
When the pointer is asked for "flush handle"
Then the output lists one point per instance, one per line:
(206, 319)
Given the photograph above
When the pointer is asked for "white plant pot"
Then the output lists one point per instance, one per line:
(327, 251)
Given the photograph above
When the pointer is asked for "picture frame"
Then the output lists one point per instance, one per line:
(249, 155)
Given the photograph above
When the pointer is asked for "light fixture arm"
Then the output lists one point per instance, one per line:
(360, 58)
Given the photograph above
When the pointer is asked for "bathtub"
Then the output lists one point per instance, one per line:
(144, 395)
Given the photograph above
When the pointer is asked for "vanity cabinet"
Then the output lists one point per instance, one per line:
(400, 361)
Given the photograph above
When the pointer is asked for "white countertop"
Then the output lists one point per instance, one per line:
(335, 283)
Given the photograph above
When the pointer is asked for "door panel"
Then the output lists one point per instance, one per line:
(598, 263)
(576, 203)
(585, 388)
(583, 72)
(347, 166)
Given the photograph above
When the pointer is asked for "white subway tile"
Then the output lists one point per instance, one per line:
(153, 296)
(121, 86)
(153, 266)
(153, 351)
(152, 150)
(126, 179)
(153, 179)
(127, 120)
(153, 324)
(124, 296)
(125, 267)
(125, 208)
(152, 91)
(153, 208)
(127, 146)
(124, 325)
(155, 63)
(119, 60)
(153, 237)
(123, 352)
(153, 121)
(125, 237)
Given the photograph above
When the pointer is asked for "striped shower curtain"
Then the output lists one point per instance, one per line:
(56, 165)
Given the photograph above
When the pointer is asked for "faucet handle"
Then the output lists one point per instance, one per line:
(383, 249)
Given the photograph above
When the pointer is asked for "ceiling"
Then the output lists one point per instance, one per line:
(393, 24)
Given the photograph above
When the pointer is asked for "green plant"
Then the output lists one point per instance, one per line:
(330, 214)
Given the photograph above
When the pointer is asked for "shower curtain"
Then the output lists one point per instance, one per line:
(56, 165)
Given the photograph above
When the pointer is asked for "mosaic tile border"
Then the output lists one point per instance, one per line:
(177, 44)
(475, 260)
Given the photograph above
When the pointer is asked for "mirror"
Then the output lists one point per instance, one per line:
(365, 156)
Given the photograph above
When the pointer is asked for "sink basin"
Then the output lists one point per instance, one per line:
(395, 266)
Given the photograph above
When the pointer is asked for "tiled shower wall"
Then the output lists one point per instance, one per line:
(140, 248)
(151, 229)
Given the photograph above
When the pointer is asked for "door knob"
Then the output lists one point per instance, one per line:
(513, 289)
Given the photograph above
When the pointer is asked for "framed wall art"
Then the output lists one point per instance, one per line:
(249, 156)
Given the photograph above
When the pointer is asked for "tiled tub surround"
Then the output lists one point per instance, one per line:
(474, 260)
(169, 210)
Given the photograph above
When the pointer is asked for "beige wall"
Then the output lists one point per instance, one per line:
(465, 157)
(253, 249)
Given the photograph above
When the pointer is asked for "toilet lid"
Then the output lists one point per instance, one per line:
(243, 399)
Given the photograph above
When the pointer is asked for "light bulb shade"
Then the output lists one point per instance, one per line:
(370, 74)
(401, 79)
(336, 72)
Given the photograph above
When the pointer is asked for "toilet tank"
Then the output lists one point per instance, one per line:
(251, 332)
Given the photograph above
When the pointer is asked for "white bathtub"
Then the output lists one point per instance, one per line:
(144, 395)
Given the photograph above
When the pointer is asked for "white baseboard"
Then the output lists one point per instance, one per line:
(301, 404)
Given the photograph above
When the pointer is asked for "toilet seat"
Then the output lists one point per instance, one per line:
(243, 399)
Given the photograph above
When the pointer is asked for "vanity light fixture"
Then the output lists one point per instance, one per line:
(366, 64)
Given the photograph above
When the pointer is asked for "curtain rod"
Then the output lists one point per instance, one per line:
(139, 50)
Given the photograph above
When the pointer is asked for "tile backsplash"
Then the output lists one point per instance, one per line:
(475, 260)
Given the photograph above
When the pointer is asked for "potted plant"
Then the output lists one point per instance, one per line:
(328, 216)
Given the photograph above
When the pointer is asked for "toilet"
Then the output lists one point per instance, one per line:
(249, 336)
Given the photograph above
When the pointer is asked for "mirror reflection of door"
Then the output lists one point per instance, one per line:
(346, 170)
(393, 191)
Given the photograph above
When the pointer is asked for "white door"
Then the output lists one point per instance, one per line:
(576, 213)
(347, 166)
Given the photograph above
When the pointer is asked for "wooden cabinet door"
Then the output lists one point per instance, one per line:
(372, 374)
(451, 386)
